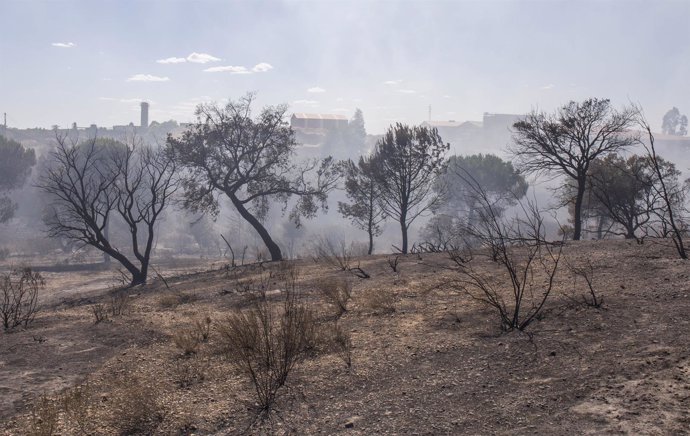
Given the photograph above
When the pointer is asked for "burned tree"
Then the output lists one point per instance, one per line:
(671, 194)
(364, 210)
(250, 161)
(569, 140)
(626, 191)
(406, 163)
(92, 183)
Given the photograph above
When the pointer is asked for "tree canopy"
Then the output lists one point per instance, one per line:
(674, 123)
(250, 160)
(566, 142)
(364, 208)
(15, 167)
(406, 163)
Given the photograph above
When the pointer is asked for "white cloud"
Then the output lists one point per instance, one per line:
(316, 90)
(172, 60)
(407, 91)
(147, 78)
(393, 82)
(262, 67)
(124, 100)
(447, 96)
(64, 44)
(228, 69)
(201, 58)
(239, 69)
(547, 87)
(340, 109)
(306, 102)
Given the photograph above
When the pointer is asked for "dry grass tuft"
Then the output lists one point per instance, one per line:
(380, 301)
(337, 293)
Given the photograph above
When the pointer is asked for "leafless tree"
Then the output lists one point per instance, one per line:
(671, 193)
(250, 161)
(520, 248)
(93, 182)
(569, 140)
(406, 163)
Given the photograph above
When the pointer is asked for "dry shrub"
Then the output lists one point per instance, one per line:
(100, 313)
(19, 297)
(44, 417)
(202, 325)
(379, 300)
(187, 340)
(76, 406)
(266, 341)
(119, 303)
(337, 293)
(336, 339)
(134, 408)
(339, 255)
(189, 372)
(174, 299)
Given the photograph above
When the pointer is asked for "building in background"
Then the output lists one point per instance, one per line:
(318, 121)
(144, 115)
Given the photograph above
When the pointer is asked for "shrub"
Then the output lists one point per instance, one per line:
(520, 250)
(202, 326)
(119, 303)
(76, 406)
(340, 342)
(187, 340)
(134, 408)
(189, 372)
(339, 255)
(266, 341)
(379, 300)
(100, 313)
(19, 297)
(174, 299)
(337, 293)
(43, 420)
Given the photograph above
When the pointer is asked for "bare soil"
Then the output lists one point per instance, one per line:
(437, 364)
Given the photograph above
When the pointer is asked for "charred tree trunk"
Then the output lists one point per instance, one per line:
(273, 248)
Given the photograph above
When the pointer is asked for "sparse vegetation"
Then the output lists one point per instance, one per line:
(265, 342)
(337, 293)
(19, 297)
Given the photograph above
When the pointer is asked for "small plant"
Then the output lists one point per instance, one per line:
(100, 313)
(174, 299)
(341, 343)
(19, 297)
(379, 300)
(76, 406)
(393, 263)
(337, 293)
(187, 340)
(202, 326)
(119, 303)
(189, 372)
(43, 420)
(339, 255)
(586, 271)
(134, 408)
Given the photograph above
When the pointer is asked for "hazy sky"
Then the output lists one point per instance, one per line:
(92, 61)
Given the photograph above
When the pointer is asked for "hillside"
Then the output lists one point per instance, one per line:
(424, 358)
